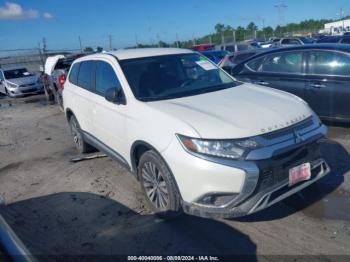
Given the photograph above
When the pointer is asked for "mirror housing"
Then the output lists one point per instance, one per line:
(115, 95)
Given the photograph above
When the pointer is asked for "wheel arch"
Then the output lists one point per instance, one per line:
(138, 148)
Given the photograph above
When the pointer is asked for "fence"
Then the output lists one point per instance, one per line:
(32, 58)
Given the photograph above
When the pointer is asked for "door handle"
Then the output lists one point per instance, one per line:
(262, 82)
(316, 85)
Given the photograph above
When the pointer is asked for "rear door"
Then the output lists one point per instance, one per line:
(83, 92)
(328, 84)
(283, 70)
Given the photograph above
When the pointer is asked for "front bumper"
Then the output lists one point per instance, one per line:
(22, 91)
(224, 188)
(268, 192)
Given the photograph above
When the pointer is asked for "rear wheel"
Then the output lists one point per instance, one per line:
(78, 139)
(159, 185)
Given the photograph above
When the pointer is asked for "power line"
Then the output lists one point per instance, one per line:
(280, 9)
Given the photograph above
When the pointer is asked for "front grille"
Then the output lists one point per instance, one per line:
(25, 85)
(276, 170)
(29, 90)
(289, 130)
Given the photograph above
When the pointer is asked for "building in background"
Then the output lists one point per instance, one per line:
(337, 28)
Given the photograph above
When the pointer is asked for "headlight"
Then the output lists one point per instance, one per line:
(233, 149)
(11, 85)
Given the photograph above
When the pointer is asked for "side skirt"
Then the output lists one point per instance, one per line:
(90, 139)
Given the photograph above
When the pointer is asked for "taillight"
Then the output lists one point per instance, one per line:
(62, 80)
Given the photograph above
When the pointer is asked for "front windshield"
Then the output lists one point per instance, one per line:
(16, 73)
(173, 76)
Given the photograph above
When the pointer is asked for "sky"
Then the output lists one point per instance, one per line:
(24, 23)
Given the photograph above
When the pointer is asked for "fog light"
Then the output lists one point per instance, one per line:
(216, 200)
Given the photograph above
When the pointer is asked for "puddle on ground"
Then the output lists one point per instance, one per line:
(41, 101)
(335, 206)
(5, 105)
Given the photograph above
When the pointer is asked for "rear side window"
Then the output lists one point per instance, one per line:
(105, 77)
(328, 40)
(73, 75)
(329, 63)
(346, 40)
(290, 62)
(255, 64)
(85, 74)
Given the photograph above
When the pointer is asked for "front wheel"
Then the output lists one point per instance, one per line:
(159, 185)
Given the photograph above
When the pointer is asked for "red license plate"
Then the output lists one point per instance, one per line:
(299, 174)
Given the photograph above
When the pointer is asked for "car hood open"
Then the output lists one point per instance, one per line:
(243, 111)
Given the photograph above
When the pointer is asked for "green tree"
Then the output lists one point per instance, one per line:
(99, 49)
(219, 28)
(88, 49)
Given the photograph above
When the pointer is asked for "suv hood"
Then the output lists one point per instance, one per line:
(242, 111)
(24, 80)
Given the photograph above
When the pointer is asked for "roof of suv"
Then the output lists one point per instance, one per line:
(147, 52)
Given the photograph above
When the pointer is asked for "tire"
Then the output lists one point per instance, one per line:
(78, 139)
(159, 185)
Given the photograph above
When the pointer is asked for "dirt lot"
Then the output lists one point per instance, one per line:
(96, 207)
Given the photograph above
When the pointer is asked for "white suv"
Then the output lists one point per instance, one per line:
(197, 140)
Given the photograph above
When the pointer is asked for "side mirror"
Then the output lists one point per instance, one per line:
(115, 95)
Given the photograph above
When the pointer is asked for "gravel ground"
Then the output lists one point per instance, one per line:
(96, 207)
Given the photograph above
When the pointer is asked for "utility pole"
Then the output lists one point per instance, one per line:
(44, 47)
(280, 9)
(341, 15)
(234, 36)
(158, 39)
(222, 38)
(81, 47)
(136, 40)
(177, 40)
(193, 39)
(210, 40)
(110, 42)
(41, 57)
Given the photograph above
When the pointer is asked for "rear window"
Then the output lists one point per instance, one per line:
(85, 74)
(73, 75)
(64, 64)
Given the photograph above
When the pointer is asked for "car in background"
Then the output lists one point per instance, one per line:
(319, 74)
(18, 82)
(233, 59)
(56, 69)
(196, 139)
(335, 40)
(292, 41)
(203, 47)
(239, 46)
(216, 56)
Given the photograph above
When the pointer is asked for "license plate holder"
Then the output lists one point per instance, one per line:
(299, 174)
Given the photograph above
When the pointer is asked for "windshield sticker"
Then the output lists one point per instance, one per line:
(206, 65)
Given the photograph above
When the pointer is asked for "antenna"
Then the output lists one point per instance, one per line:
(280, 9)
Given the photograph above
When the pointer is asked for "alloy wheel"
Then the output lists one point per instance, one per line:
(155, 186)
